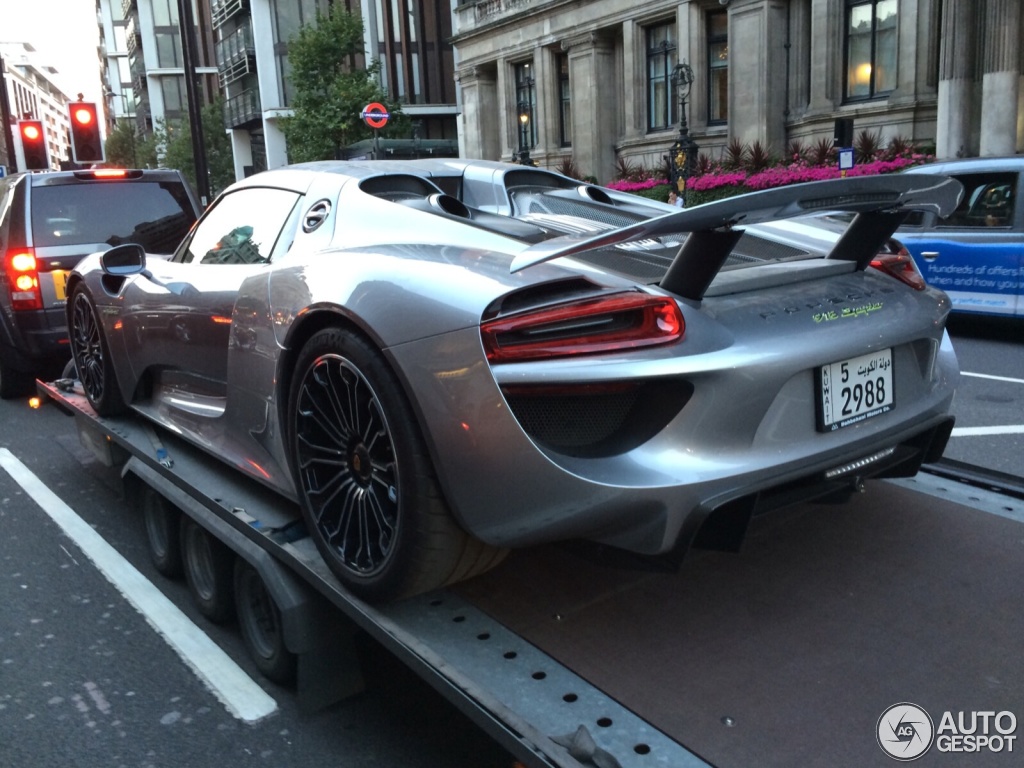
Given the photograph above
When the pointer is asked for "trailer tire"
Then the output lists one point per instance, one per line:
(209, 571)
(92, 356)
(259, 620)
(366, 483)
(163, 533)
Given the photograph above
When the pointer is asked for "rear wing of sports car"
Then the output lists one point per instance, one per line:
(881, 203)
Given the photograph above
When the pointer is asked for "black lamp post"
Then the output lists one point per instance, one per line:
(523, 109)
(683, 156)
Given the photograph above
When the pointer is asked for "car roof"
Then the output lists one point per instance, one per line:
(299, 176)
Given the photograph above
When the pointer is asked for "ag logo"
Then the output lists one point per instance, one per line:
(905, 731)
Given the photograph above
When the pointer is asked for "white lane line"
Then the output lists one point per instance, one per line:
(225, 679)
(993, 378)
(1008, 429)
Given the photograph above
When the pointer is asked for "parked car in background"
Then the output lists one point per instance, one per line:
(48, 222)
(443, 359)
(976, 254)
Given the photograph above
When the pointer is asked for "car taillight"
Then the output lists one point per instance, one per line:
(23, 280)
(901, 266)
(617, 322)
(110, 173)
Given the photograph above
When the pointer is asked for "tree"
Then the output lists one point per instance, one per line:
(125, 149)
(329, 89)
(175, 143)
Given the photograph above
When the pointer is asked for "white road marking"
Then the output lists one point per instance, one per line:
(993, 378)
(242, 696)
(1008, 429)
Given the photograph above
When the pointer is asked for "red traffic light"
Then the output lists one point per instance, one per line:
(86, 142)
(33, 145)
(83, 114)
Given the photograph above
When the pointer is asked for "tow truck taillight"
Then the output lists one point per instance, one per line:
(901, 266)
(612, 323)
(23, 280)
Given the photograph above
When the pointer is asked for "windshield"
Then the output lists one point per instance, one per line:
(156, 215)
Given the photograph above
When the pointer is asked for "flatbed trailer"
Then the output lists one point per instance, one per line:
(569, 657)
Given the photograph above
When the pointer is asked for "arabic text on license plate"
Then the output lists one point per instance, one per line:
(853, 390)
(60, 283)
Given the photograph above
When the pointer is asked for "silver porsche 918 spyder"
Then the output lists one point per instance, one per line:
(441, 360)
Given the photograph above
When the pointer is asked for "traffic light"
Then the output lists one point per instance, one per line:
(86, 144)
(33, 145)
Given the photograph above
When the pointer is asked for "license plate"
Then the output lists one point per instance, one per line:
(853, 390)
(60, 283)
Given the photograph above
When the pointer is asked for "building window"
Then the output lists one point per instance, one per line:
(175, 103)
(661, 59)
(870, 48)
(565, 102)
(526, 106)
(718, 67)
(289, 16)
(168, 49)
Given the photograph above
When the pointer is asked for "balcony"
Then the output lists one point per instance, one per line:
(236, 55)
(132, 40)
(222, 10)
(127, 6)
(241, 109)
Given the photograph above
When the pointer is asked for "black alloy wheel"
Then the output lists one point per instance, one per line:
(91, 356)
(367, 486)
(346, 456)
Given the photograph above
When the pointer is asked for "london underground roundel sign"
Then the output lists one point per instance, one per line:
(375, 115)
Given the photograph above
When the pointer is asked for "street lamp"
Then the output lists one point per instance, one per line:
(524, 133)
(683, 156)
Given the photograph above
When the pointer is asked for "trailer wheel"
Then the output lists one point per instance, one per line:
(366, 483)
(208, 566)
(163, 533)
(92, 357)
(259, 620)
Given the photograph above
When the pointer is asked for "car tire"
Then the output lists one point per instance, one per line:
(259, 621)
(163, 533)
(13, 383)
(209, 571)
(92, 356)
(366, 484)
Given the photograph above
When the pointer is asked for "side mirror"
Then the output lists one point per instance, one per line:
(124, 260)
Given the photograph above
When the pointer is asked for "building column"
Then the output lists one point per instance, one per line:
(594, 104)
(825, 57)
(480, 129)
(757, 63)
(241, 151)
(633, 72)
(956, 79)
(1001, 68)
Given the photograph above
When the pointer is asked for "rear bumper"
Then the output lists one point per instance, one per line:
(723, 524)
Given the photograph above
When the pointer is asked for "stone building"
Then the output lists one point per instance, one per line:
(595, 80)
